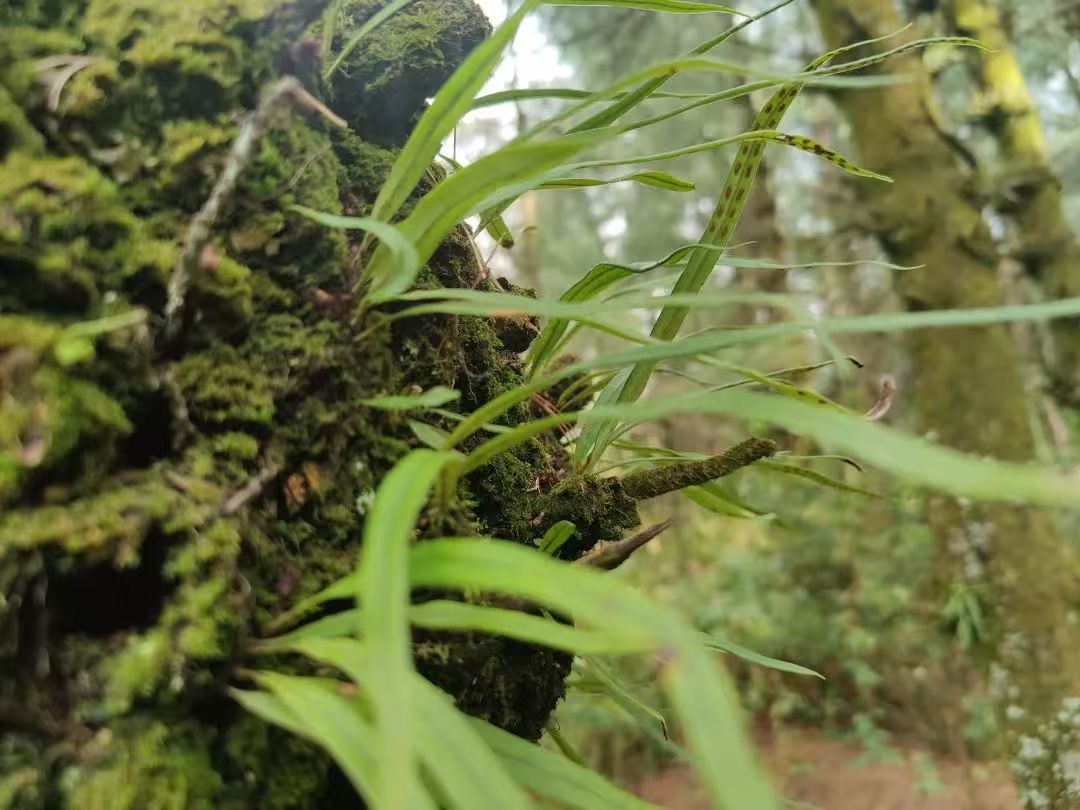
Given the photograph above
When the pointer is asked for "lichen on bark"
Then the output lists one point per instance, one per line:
(131, 576)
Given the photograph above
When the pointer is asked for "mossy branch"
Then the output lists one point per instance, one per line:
(672, 477)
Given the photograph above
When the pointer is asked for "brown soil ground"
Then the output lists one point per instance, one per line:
(817, 772)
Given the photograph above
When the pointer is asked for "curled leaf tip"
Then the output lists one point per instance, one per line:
(885, 400)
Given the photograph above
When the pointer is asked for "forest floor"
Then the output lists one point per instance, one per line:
(816, 771)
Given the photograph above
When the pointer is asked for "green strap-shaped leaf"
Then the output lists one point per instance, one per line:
(666, 6)
(714, 643)
(704, 344)
(783, 388)
(384, 624)
(518, 166)
(554, 777)
(268, 707)
(916, 460)
(630, 703)
(447, 615)
(714, 498)
(469, 774)
(705, 702)
(697, 709)
(663, 71)
(544, 93)
(429, 435)
(463, 770)
(343, 624)
(401, 254)
(432, 398)
(818, 478)
(314, 709)
(721, 227)
(497, 228)
(556, 537)
(458, 301)
(599, 278)
(647, 89)
(756, 136)
(661, 180)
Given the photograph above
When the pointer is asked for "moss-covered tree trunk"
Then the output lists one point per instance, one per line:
(163, 498)
(967, 392)
(1029, 191)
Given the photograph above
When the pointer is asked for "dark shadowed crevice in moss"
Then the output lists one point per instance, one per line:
(598, 507)
(515, 686)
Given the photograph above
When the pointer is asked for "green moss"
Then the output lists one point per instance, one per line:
(108, 526)
(222, 391)
(505, 490)
(485, 374)
(54, 425)
(363, 167)
(179, 60)
(63, 236)
(29, 334)
(21, 46)
(22, 783)
(221, 295)
(144, 765)
(381, 87)
(514, 686)
(82, 420)
(278, 771)
(599, 508)
(199, 623)
(16, 131)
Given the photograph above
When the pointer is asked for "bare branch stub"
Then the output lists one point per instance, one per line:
(610, 555)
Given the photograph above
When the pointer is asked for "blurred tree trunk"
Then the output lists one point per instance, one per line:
(1029, 191)
(967, 392)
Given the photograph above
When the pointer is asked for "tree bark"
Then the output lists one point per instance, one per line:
(163, 497)
(1029, 191)
(967, 392)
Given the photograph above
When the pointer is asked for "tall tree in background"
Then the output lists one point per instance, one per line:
(1028, 186)
(968, 393)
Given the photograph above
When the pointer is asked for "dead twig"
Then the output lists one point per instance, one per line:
(57, 71)
(251, 490)
(254, 128)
